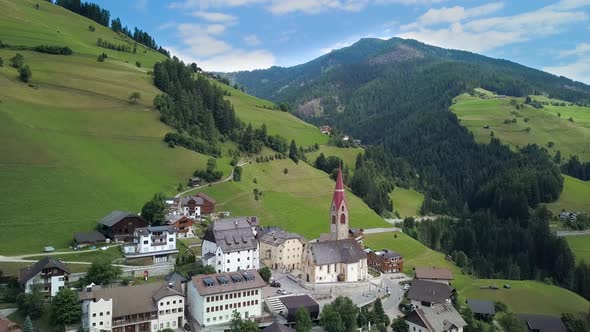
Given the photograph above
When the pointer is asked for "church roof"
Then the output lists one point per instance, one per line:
(333, 252)
(339, 190)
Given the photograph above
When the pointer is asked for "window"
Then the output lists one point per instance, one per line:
(219, 254)
(208, 309)
(100, 314)
(94, 314)
(256, 302)
(248, 258)
(226, 297)
(171, 239)
(108, 313)
(93, 324)
(179, 301)
(256, 292)
(208, 320)
(226, 307)
(238, 259)
(174, 302)
(100, 324)
(228, 260)
(179, 309)
(145, 242)
(168, 303)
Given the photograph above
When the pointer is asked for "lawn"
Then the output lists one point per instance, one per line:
(348, 155)
(406, 201)
(574, 197)
(111, 253)
(545, 124)
(580, 245)
(524, 297)
(298, 201)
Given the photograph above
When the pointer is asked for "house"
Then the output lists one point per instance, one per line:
(230, 245)
(88, 239)
(49, 274)
(158, 242)
(345, 138)
(434, 274)
(438, 318)
(281, 250)
(120, 226)
(276, 327)
(482, 309)
(357, 141)
(194, 181)
(196, 206)
(183, 225)
(6, 325)
(340, 258)
(148, 307)
(385, 261)
(357, 234)
(542, 323)
(424, 293)
(293, 303)
(213, 298)
(326, 130)
(565, 215)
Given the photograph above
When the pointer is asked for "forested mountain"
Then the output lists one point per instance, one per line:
(396, 93)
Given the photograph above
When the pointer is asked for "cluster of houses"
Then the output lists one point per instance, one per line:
(236, 248)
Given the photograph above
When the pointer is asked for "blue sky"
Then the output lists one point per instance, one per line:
(228, 35)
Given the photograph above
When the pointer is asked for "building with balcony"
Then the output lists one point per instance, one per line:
(49, 274)
(213, 299)
(385, 261)
(158, 242)
(230, 245)
(143, 308)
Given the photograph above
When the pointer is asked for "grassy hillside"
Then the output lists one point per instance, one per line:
(574, 196)
(545, 124)
(547, 299)
(298, 201)
(580, 245)
(406, 201)
(348, 155)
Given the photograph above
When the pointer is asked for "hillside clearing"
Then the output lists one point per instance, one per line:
(548, 299)
(348, 155)
(574, 196)
(580, 246)
(406, 201)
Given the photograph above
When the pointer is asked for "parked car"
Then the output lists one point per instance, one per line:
(507, 286)
(275, 284)
(282, 291)
(405, 307)
(407, 287)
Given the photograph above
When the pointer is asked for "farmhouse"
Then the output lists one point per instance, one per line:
(158, 242)
(230, 245)
(438, 318)
(88, 239)
(196, 206)
(213, 298)
(194, 181)
(565, 215)
(326, 130)
(281, 250)
(482, 309)
(183, 225)
(120, 226)
(434, 274)
(542, 323)
(385, 261)
(341, 258)
(149, 307)
(49, 274)
(427, 293)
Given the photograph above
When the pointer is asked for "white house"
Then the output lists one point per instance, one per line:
(230, 245)
(158, 242)
(49, 274)
(437, 318)
(213, 298)
(148, 307)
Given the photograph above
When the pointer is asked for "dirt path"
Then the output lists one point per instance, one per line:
(231, 176)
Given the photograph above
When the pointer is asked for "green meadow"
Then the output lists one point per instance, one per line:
(406, 201)
(298, 201)
(580, 245)
(547, 299)
(348, 155)
(574, 197)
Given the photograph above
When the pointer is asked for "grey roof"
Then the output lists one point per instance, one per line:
(152, 229)
(433, 273)
(543, 323)
(276, 327)
(46, 262)
(429, 291)
(231, 286)
(144, 297)
(297, 301)
(440, 317)
(92, 237)
(186, 199)
(387, 254)
(232, 234)
(114, 217)
(208, 256)
(278, 236)
(332, 252)
(174, 277)
(482, 307)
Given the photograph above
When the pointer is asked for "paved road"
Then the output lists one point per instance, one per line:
(391, 303)
(231, 176)
(382, 230)
(572, 233)
(7, 311)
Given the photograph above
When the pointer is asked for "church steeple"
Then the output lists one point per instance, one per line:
(339, 211)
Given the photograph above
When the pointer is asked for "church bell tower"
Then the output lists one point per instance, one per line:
(339, 211)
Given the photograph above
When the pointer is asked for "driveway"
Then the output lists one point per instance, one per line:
(381, 230)
(572, 233)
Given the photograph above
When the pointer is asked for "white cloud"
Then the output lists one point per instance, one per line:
(200, 42)
(234, 60)
(483, 34)
(216, 17)
(252, 40)
(579, 50)
(578, 70)
(453, 14)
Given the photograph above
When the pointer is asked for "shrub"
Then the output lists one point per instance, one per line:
(286, 171)
(138, 64)
(17, 60)
(102, 57)
(25, 74)
(58, 50)
(91, 28)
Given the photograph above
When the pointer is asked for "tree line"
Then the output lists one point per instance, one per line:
(579, 170)
(116, 47)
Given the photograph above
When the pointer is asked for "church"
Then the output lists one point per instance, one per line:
(338, 258)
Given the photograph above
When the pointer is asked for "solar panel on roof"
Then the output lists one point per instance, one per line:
(208, 282)
(222, 280)
(236, 278)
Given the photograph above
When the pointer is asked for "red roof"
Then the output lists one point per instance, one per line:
(339, 190)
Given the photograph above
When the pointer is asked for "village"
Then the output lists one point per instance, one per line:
(260, 274)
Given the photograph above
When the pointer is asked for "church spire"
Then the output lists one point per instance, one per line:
(339, 211)
(338, 190)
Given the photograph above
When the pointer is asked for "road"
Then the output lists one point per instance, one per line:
(394, 221)
(231, 176)
(391, 303)
(381, 230)
(572, 233)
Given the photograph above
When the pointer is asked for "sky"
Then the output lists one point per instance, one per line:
(231, 35)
